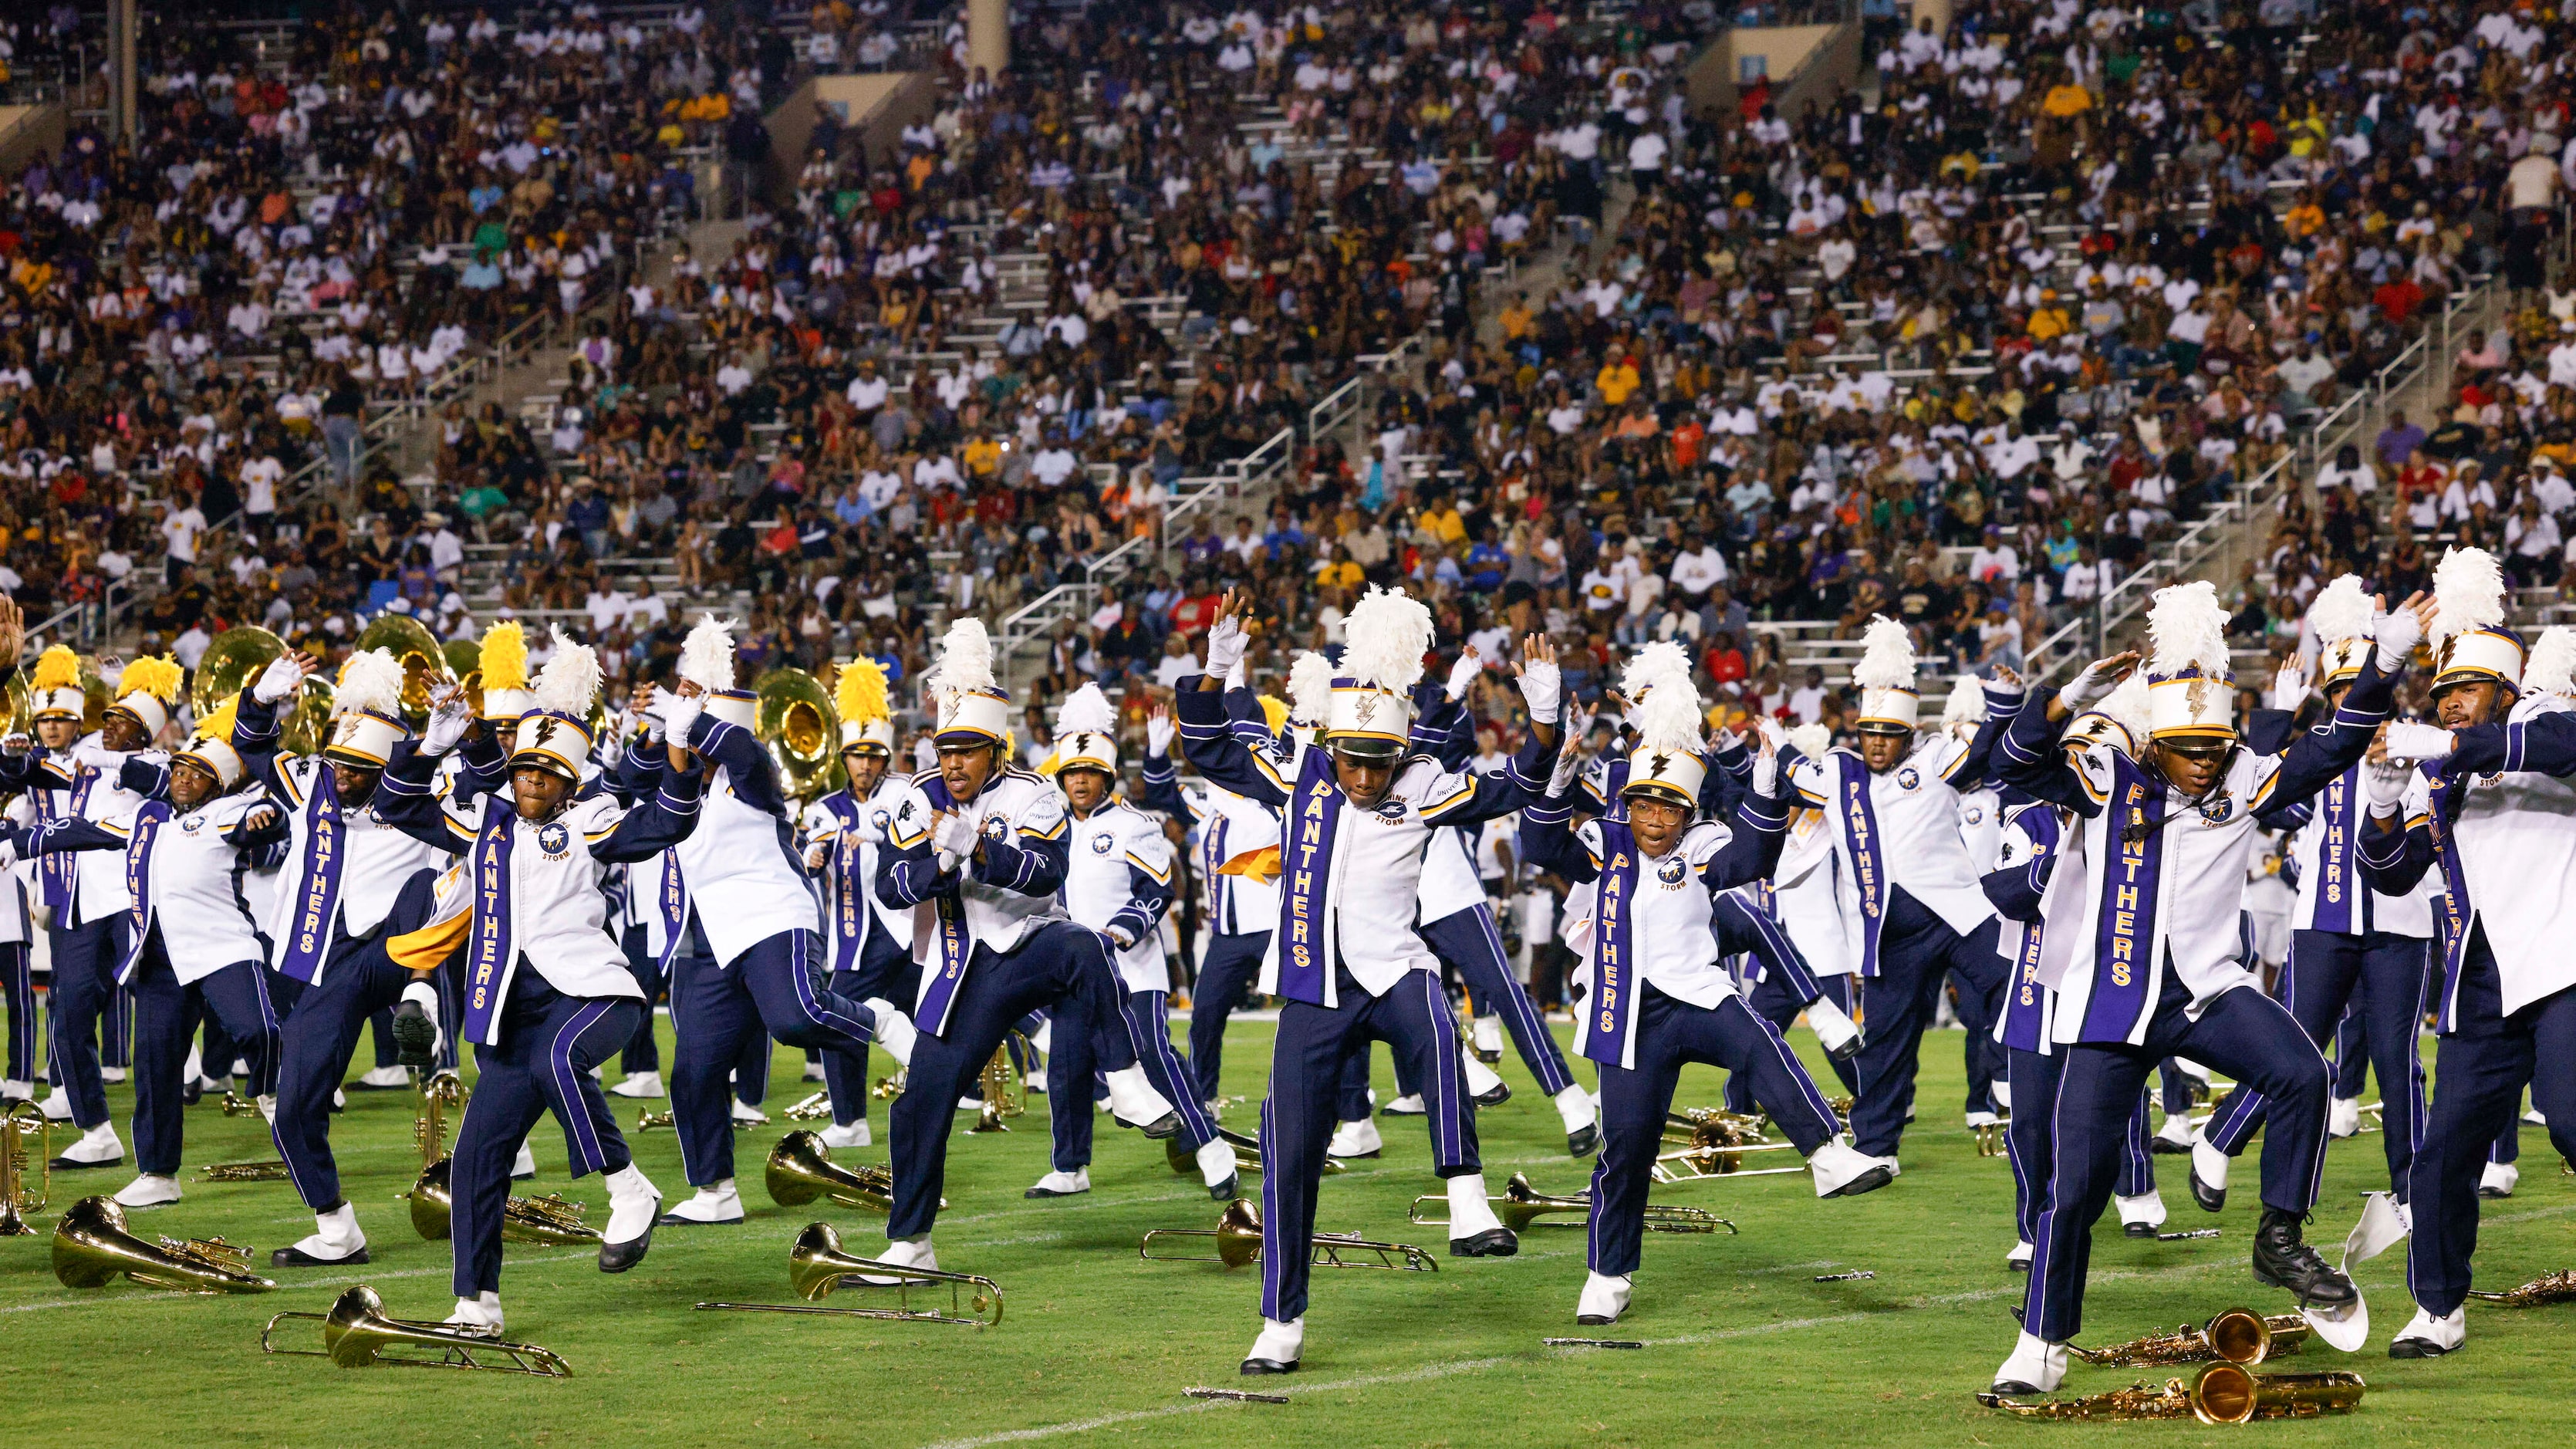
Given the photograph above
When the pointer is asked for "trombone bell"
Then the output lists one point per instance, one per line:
(357, 1331)
(92, 1245)
(1238, 1243)
(17, 1199)
(817, 1268)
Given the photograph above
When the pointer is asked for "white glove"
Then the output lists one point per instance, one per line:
(1158, 734)
(955, 834)
(2385, 787)
(680, 715)
(98, 757)
(2408, 740)
(1225, 646)
(651, 718)
(1463, 673)
(1541, 687)
(2398, 633)
(947, 861)
(1766, 771)
(1569, 764)
(447, 725)
(1125, 941)
(2289, 687)
(277, 681)
(2089, 687)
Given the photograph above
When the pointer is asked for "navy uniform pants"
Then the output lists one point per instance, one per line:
(1917, 950)
(1471, 944)
(722, 1014)
(1307, 1060)
(1776, 1002)
(320, 1033)
(1226, 978)
(165, 1016)
(643, 1051)
(2392, 975)
(1059, 965)
(2479, 1071)
(2243, 1033)
(549, 1043)
(886, 969)
(81, 1001)
(1634, 1100)
(18, 994)
(2032, 1150)
(1145, 1024)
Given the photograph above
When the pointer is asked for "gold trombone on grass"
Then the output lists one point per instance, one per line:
(1238, 1242)
(817, 1268)
(357, 1331)
(1521, 1205)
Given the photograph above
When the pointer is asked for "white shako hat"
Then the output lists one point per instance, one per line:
(366, 710)
(1371, 712)
(554, 733)
(54, 686)
(2119, 719)
(502, 656)
(1966, 706)
(146, 690)
(1665, 762)
(973, 708)
(706, 660)
(1885, 675)
(2191, 688)
(2470, 640)
(1086, 733)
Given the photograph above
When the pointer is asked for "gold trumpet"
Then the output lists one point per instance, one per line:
(1716, 1148)
(2558, 1287)
(442, 1094)
(92, 1245)
(2220, 1393)
(801, 1169)
(817, 1268)
(888, 1088)
(1238, 1242)
(2234, 1335)
(17, 1200)
(548, 1220)
(1006, 1088)
(816, 1108)
(357, 1331)
(1521, 1205)
(271, 1170)
(235, 1106)
(648, 1119)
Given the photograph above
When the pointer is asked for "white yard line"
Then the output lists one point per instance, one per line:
(284, 1284)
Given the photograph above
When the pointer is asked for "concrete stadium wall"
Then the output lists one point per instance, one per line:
(1805, 62)
(26, 130)
(874, 109)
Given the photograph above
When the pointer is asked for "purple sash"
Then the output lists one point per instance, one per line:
(2447, 795)
(1860, 831)
(1313, 820)
(138, 881)
(2337, 881)
(2125, 930)
(490, 953)
(58, 872)
(842, 886)
(671, 899)
(1212, 852)
(955, 946)
(317, 893)
(1613, 1002)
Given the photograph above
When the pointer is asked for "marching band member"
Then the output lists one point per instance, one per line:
(547, 993)
(1804, 894)
(1909, 889)
(1658, 993)
(977, 851)
(2490, 809)
(1118, 882)
(1963, 714)
(17, 973)
(2353, 946)
(1773, 976)
(194, 950)
(738, 880)
(2142, 943)
(871, 946)
(1359, 816)
(351, 880)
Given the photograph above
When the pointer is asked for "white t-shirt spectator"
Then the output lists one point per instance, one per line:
(260, 477)
(181, 529)
(1052, 466)
(1604, 589)
(1696, 571)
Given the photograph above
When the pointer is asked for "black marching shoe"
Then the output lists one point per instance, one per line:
(2284, 1260)
(415, 1036)
(1225, 1191)
(298, 1258)
(1268, 1366)
(1501, 1093)
(618, 1257)
(1167, 1125)
(2138, 1230)
(2211, 1199)
(1584, 1141)
(1491, 1243)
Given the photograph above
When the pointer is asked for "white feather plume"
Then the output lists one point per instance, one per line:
(2187, 627)
(706, 656)
(371, 681)
(1812, 740)
(569, 684)
(2127, 707)
(2469, 588)
(1086, 711)
(1657, 662)
(965, 658)
(1389, 632)
(1310, 689)
(1668, 722)
(2342, 611)
(1967, 702)
(2552, 669)
(1886, 656)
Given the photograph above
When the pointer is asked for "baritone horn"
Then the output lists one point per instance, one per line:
(1521, 1205)
(2233, 1335)
(2220, 1393)
(92, 1245)
(235, 660)
(1238, 1242)
(17, 1199)
(1005, 1085)
(357, 1331)
(817, 1268)
(796, 723)
(547, 1220)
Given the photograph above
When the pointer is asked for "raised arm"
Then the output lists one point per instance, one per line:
(654, 823)
(2030, 756)
(411, 799)
(1162, 777)
(2004, 699)
(1209, 741)
(256, 732)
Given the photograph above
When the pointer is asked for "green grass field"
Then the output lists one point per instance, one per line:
(1097, 1346)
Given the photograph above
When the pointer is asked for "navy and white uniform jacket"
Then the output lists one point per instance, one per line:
(78, 889)
(739, 868)
(2152, 880)
(1225, 825)
(1351, 879)
(2496, 822)
(1807, 894)
(995, 897)
(852, 832)
(185, 872)
(2025, 859)
(1118, 877)
(1450, 882)
(2324, 860)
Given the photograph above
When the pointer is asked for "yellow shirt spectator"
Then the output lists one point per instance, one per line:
(2048, 321)
(983, 457)
(2067, 99)
(1616, 381)
(1442, 522)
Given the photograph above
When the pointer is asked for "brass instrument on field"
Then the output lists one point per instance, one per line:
(2234, 1335)
(92, 1245)
(816, 1108)
(2558, 1287)
(1521, 1205)
(1006, 1088)
(1682, 1125)
(237, 1106)
(801, 1169)
(1716, 1148)
(548, 1220)
(271, 1170)
(889, 1088)
(1238, 1242)
(17, 1200)
(648, 1120)
(2220, 1393)
(796, 723)
(441, 1094)
(235, 660)
(357, 1331)
(1991, 1138)
(817, 1268)
(423, 658)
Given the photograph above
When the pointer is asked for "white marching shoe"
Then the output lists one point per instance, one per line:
(480, 1314)
(13, 1090)
(2425, 1336)
(903, 1253)
(719, 1205)
(385, 1079)
(1842, 1170)
(523, 1166)
(1582, 1121)
(2140, 1216)
(1604, 1299)
(1407, 1106)
(895, 1031)
(2499, 1179)
(2208, 1176)
(58, 1105)
(336, 1241)
(2036, 1367)
(148, 1190)
(1217, 1169)
(1487, 1038)
(1474, 1231)
(1061, 1184)
(1356, 1139)
(634, 1206)
(1484, 1083)
(854, 1135)
(813, 1072)
(1135, 1103)
(638, 1084)
(2343, 1117)
(113, 1076)
(747, 1115)
(1278, 1348)
(2176, 1135)
(1984, 1119)
(2018, 1260)
(2001, 1091)
(98, 1147)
